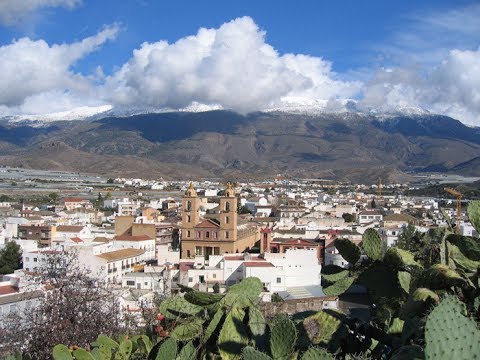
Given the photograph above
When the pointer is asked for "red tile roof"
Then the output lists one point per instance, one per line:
(207, 224)
(8, 289)
(76, 240)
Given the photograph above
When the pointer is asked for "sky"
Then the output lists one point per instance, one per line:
(56, 55)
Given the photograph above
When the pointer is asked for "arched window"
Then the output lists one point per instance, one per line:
(189, 205)
(227, 206)
(207, 234)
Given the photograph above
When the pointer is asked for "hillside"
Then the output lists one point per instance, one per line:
(346, 146)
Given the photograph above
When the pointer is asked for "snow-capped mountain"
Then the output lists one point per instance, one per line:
(293, 105)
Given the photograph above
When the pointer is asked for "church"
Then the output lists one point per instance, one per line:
(225, 234)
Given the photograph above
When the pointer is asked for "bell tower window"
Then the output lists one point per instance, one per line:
(227, 206)
(189, 205)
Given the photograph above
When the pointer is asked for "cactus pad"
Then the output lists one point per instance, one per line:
(473, 212)
(188, 352)
(404, 279)
(440, 276)
(61, 352)
(372, 244)
(321, 326)
(283, 335)
(249, 353)
(233, 336)
(339, 287)
(317, 354)
(187, 330)
(168, 350)
(348, 249)
(449, 334)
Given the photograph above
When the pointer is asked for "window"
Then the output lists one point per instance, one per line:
(227, 206)
(214, 276)
(130, 283)
(188, 233)
(189, 206)
(188, 253)
(226, 234)
(34, 259)
(227, 220)
(207, 234)
(190, 279)
(146, 283)
(27, 259)
(189, 218)
(13, 308)
(199, 234)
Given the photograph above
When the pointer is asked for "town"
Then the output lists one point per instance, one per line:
(209, 235)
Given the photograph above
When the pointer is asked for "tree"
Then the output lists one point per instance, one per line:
(75, 309)
(110, 181)
(10, 258)
(53, 197)
(373, 204)
(244, 210)
(348, 217)
(409, 239)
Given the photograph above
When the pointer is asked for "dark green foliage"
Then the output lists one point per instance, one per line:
(439, 277)
(348, 217)
(10, 258)
(276, 298)
(372, 244)
(349, 250)
(473, 211)
(339, 287)
(409, 239)
(282, 337)
(469, 246)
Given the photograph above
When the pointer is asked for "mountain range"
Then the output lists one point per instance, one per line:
(349, 146)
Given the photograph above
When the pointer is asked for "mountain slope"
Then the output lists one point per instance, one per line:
(346, 146)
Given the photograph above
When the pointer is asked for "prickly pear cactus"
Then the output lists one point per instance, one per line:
(320, 327)
(404, 279)
(372, 244)
(469, 246)
(188, 352)
(339, 287)
(335, 276)
(168, 350)
(317, 354)
(233, 336)
(408, 352)
(82, 354)
(283, 335)
(202, 298)
(438, 277)
(213, 324)
(61, 352)
(399, 258)
(190, 329)
(449, 333)
(250, 287)
(419, 302)
(173, 307)
(349, 250)
(473, 211)
(249, 353)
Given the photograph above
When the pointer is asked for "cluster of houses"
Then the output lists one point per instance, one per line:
(208, 237)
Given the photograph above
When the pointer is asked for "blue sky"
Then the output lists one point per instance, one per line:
(384, 54)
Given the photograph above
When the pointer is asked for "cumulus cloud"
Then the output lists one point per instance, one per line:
(232, 66)
(451, 88)
(33, 70)
(13, 11)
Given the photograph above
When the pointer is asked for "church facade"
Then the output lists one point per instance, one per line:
(222, 235)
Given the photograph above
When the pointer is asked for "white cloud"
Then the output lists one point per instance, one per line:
(33, 70)
(451, 88)
(232, 66)
(13, 11)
